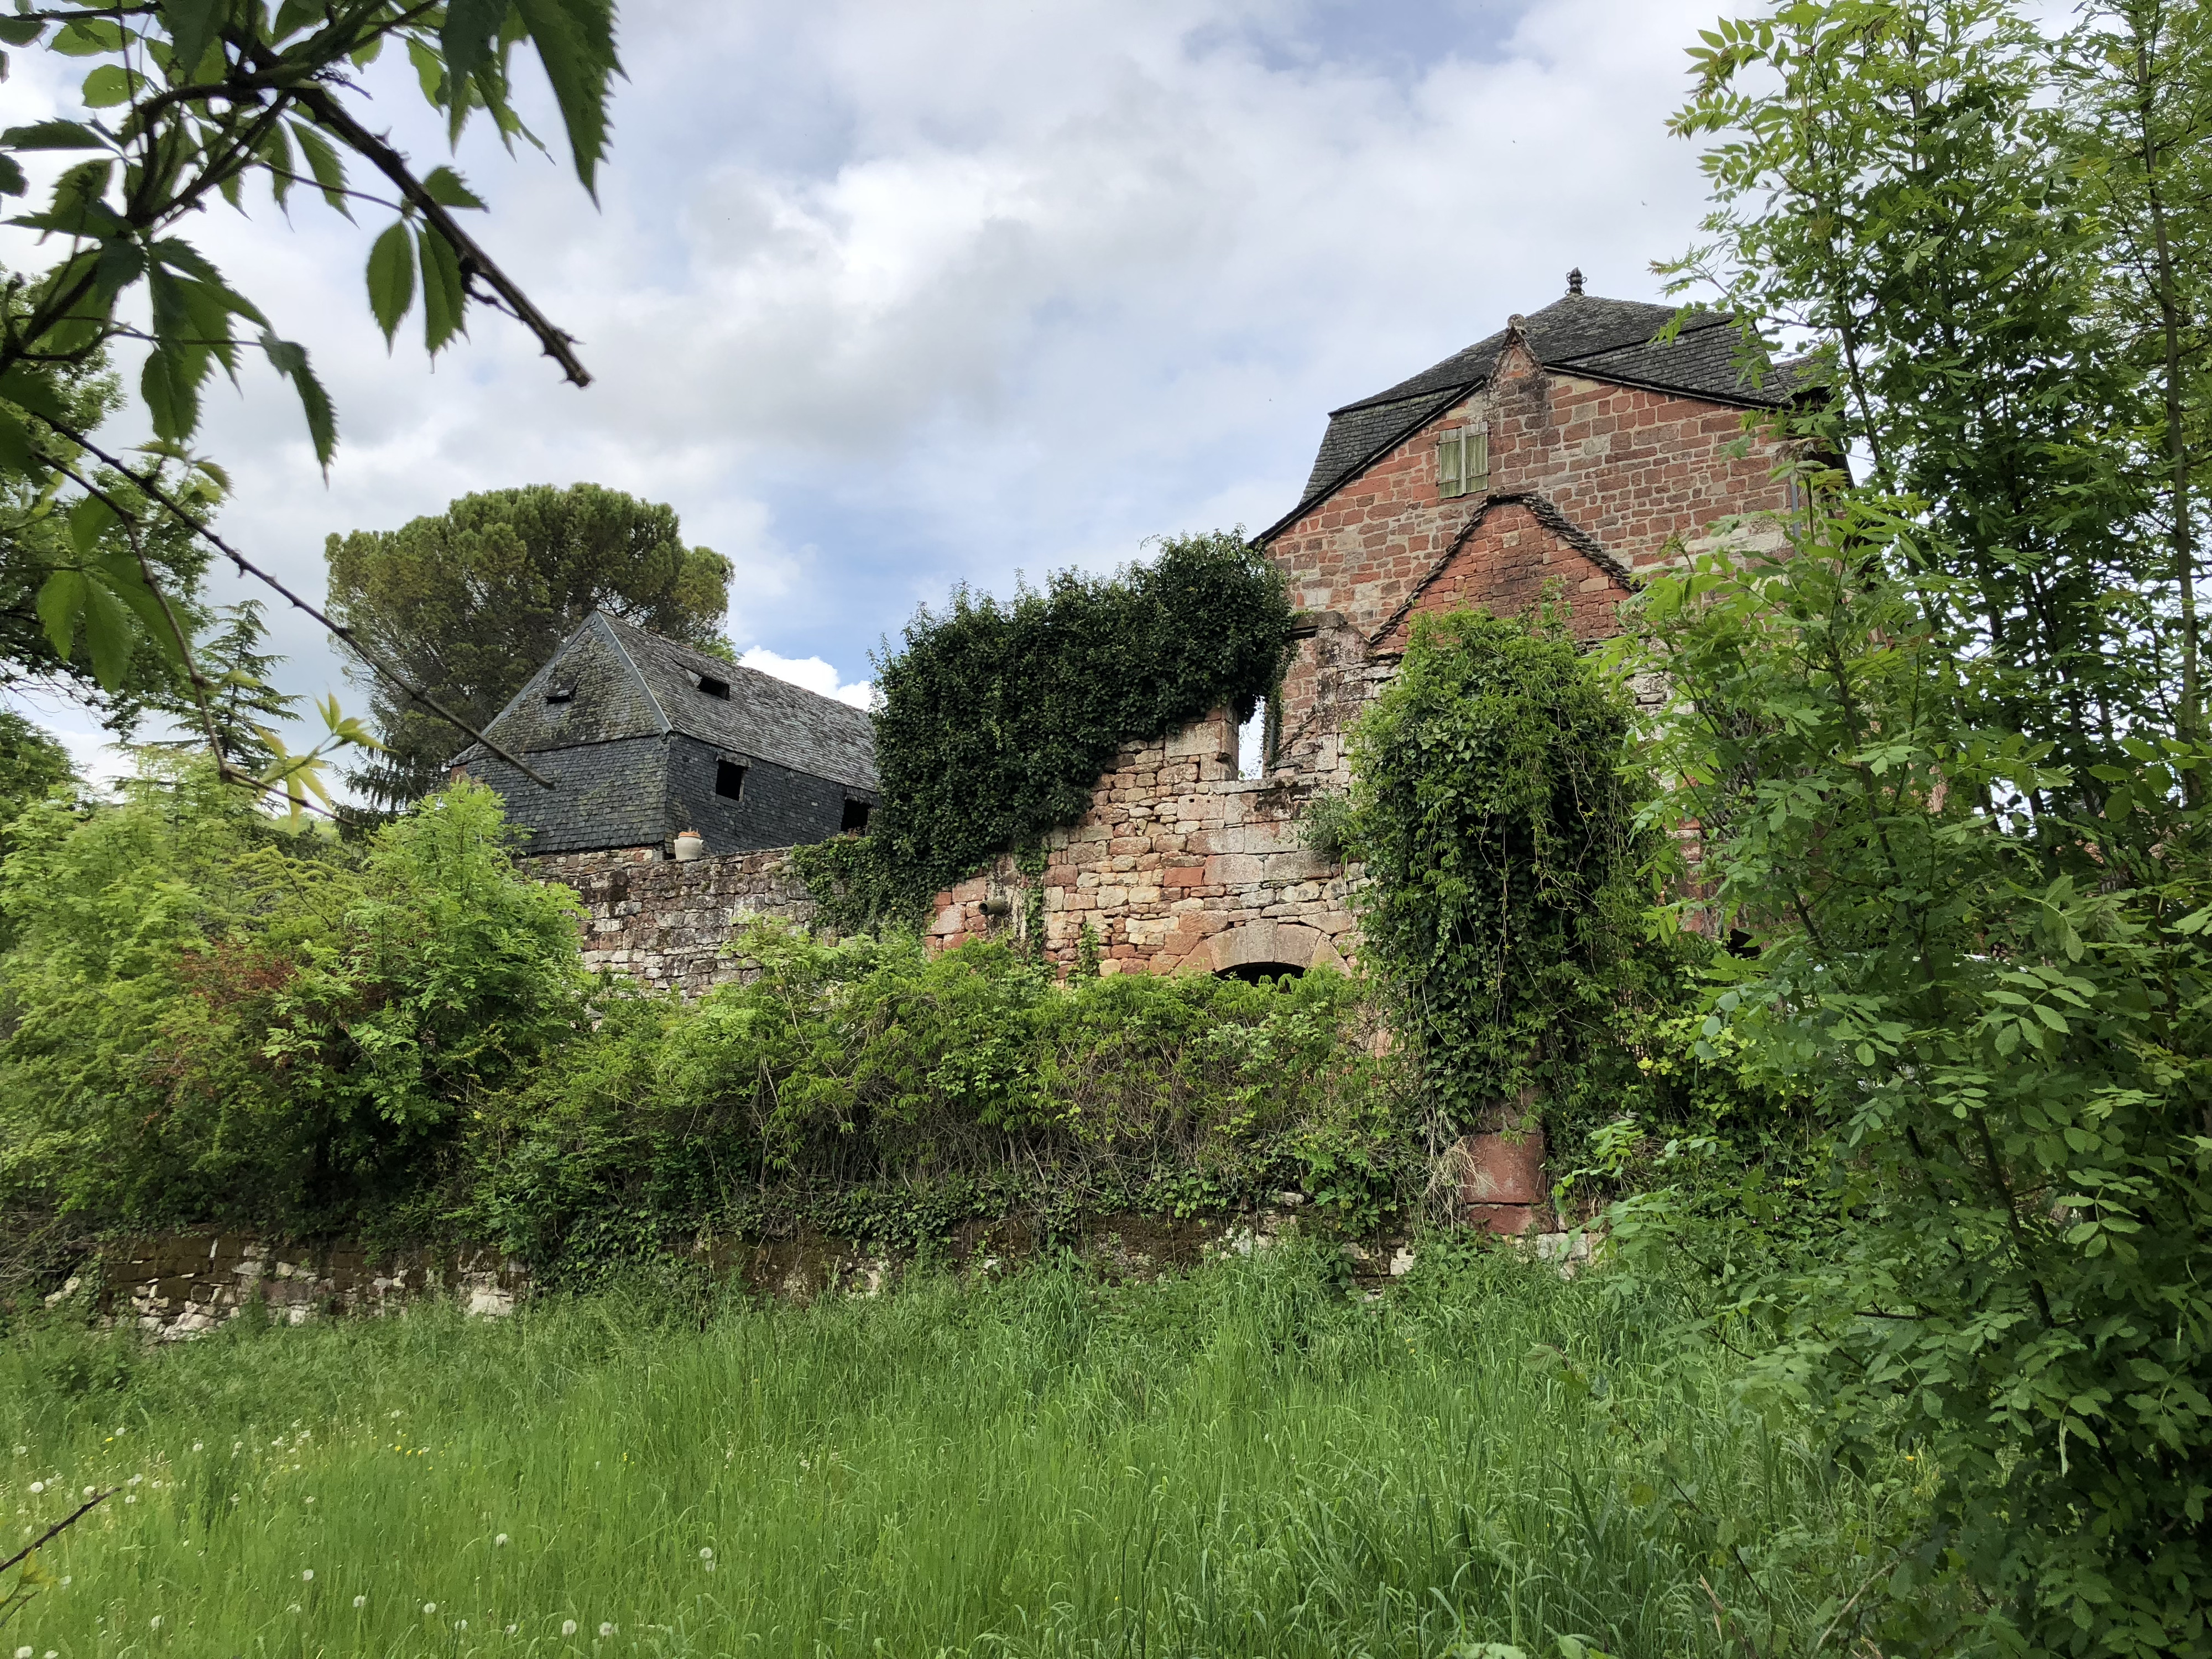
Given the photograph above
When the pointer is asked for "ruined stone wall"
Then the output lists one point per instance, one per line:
(1178, 867)
(665, 923)
(182, 1286)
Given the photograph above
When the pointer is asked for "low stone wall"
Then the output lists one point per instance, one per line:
(187, 1284)
(665, 923)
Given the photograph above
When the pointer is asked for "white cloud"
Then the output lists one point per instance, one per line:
(886, 295)
(811, 673)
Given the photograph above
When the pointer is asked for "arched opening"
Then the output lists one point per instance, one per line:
(1252, 973)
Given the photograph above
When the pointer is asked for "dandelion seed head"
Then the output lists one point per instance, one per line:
(359, 1601)
(154, 1623)
(196, 1446)
(311, 1497)
(130, 1497)
(706, 1552)
(511, 1629)
(499, 1543)
(88, 1491)
(460, 1624)
(295, 1607)
(607, 1629)
(37, 1486)
(567, 1627)
(306, 1575)
(24, 1653)
(430, 1608)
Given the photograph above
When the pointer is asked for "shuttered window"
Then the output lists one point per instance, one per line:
(1463, 461)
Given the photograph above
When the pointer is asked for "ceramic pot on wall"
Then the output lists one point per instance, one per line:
(689, 844)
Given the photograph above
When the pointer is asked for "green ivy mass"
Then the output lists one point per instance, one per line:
(997, 717)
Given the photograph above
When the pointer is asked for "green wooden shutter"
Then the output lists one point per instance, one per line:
(1476, 471)
(1451, 465)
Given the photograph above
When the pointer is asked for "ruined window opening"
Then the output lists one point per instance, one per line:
(714, 688)
(1253, 973)
(729, 779)
(1463, 461)
(562, 694)
(855, 819)
(1252, 744)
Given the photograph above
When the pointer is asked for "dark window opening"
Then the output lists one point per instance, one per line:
(1252, 973)
(713, 687)
(855, 818)
(561, 694)
(729, 779)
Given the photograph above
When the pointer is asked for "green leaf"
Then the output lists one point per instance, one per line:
(172, 395)
(290, 360)
(16, 451)
(444, 294)
(60, 603)
(392, 278)
(12, 182)
(470, 29)
(575, 41)
(108, 635)
(29, 388)
(192, 28)
(106, 87)
(322, 162)
(447, 190)
(21, 31)
(52, 135)
(89, 520)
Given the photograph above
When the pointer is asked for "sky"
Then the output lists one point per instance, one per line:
(885, 296)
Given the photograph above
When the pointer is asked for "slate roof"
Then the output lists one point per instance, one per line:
(1603, 339)
(626, 682)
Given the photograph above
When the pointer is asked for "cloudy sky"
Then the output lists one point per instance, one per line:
(885, 295)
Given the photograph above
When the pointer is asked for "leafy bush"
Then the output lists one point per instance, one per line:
(207, 1020)
(870, 1065)
(1498, 832)
(997, 719)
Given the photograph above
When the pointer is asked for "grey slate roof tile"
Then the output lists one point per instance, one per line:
(627, 683)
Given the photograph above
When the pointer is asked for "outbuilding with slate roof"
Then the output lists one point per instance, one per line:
(641, 738)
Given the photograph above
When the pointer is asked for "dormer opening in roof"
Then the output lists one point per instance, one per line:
(712, 686)
(560, 694)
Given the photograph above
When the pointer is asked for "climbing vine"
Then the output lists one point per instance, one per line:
(997, 716)
(1499, 834)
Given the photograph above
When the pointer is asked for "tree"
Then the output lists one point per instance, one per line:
(472, 602)
(190, 99)
(1945, 758)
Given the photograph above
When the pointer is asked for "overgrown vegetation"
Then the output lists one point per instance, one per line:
(209, 1020)
(1947, 759)
(1496, 819)
(998, 718)
(1241, 1462)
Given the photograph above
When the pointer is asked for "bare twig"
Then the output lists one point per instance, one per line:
(57, 1528)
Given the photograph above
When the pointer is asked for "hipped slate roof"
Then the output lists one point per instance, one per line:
(1603, 339)
(626, 682)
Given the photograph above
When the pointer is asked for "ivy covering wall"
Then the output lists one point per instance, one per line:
(998, 716)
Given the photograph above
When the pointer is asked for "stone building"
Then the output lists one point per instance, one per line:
(644, 738)
(1571, 450)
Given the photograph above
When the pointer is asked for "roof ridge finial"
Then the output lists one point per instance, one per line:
(1575, 280)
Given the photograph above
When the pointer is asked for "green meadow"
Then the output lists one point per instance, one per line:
(1253, 1458)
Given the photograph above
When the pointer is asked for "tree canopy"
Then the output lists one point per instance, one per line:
(472, 601)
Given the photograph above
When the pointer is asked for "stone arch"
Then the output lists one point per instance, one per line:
(1291, 944)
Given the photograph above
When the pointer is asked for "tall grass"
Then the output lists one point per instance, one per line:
(1245, 1460)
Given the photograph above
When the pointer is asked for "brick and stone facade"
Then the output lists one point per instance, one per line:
(1608, 452)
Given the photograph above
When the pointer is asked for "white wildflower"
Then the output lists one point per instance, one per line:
(460, 1624)
(311, 1497)
(25, 1653)
(706, 1552)
(130, 1497)
(198, 1447)
(606, 1629)
(430, 1608)
(88, 1491)
(359, 1602)
(135, 1479)
(567, 1627)
(154, 1623)
(295, 1607)
(499, 1543)
(511, 1629)
(306, 1575)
